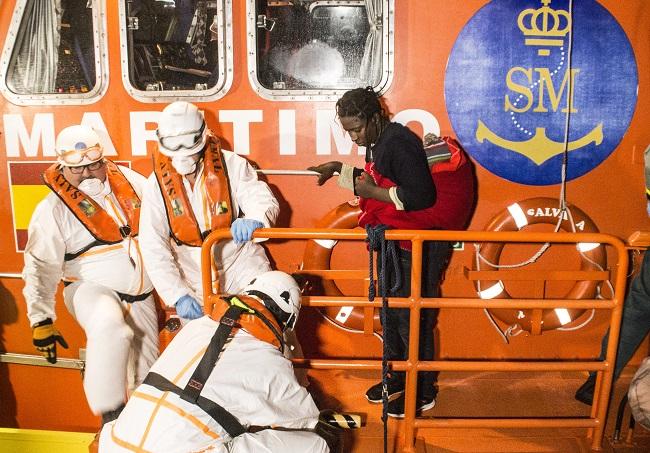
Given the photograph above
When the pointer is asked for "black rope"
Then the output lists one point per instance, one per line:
(377, 242)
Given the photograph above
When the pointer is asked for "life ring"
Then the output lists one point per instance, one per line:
(535, 211)
(318, 255)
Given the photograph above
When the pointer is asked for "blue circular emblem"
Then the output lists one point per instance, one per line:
(528, 79)
(80, 145)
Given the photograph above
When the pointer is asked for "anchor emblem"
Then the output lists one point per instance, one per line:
(540, 148)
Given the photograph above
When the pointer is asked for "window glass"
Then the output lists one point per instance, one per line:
(320, 45)
(54, 49)
(175, 45)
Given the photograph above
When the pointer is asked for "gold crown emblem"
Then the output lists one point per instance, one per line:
(544, 25)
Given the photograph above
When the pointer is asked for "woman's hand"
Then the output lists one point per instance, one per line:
(364, 186)
(326, 170)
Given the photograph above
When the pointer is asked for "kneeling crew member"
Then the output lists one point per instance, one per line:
(85, 232)
(249, 401)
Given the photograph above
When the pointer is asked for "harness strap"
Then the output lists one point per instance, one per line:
(192, 391)
(194, 386)
(220, 415)
(128, 298)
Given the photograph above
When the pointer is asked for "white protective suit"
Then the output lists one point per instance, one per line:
(251, 379)
(122, 338)
(176, 269)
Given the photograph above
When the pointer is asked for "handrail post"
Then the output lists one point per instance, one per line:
(411, 387)
(607, 376)
(206, 266)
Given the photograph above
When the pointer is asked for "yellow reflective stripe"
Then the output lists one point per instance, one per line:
(124, 444)
(207, 217)
(137, 249)
(122, 220)
(108, 248)
(158, 403)
(194, 359)
(173, 407)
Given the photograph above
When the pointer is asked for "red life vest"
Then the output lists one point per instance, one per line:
(454, 181)
(96, 220)
(182, 222)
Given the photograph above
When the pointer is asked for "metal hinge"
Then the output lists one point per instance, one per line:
(266, 23)
(133, 23)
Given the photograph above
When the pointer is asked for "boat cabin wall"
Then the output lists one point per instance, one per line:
(446, 70)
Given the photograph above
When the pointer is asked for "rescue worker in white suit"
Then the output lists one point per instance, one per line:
(196, 187)
(249, 401)
(85, 233)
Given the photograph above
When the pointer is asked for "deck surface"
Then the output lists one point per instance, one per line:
(481, 394)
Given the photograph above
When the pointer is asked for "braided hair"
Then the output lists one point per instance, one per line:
(364, 104)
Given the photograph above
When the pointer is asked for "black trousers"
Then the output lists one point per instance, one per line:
(435, 256)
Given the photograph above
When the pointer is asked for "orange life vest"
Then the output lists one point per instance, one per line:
(96, 220)
(252, 322)
(182, 223)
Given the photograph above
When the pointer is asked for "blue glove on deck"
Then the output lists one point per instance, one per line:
(187, 307)
(242, 229)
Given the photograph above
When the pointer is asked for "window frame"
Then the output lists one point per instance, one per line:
(220, 89)
(320, 94)
(101, 63)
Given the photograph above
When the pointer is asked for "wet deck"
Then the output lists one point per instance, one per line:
(482, 395)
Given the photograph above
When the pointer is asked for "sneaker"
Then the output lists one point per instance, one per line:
(585, 394)
(394, 387)
(396, 407)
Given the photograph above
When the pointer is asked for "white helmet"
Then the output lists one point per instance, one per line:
(280, 294)
(77, 146)
(181, 130)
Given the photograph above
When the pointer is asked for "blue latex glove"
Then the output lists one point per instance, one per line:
(187, 307)
(647, 208)
(242, 229)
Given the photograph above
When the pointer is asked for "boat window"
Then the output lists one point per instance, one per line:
(176, 49)
(316, 49)
(53, 53)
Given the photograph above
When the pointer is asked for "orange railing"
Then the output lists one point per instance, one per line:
(595, 422)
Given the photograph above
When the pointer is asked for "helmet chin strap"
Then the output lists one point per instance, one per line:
(284, 318)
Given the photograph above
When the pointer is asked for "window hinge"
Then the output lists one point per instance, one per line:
(133, 23)
(266, 23)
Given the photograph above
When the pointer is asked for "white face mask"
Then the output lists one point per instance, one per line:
(91, 186)
(184, 164)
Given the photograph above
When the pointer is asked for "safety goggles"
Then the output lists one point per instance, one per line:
(92, 167)
(187, 140)
(76, 156)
